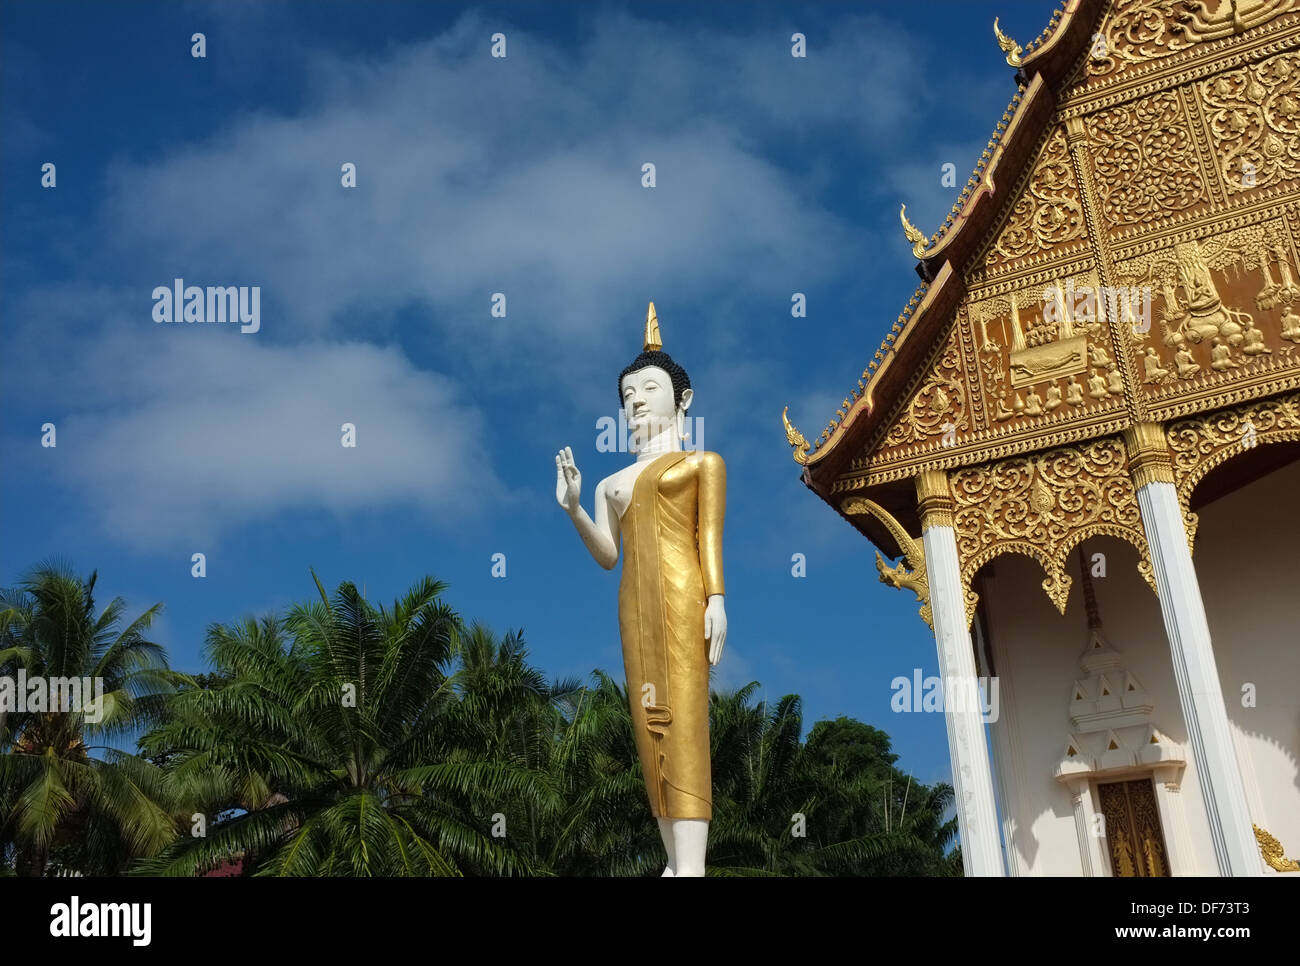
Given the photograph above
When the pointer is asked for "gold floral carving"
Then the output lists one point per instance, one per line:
(938, 406)
(1144, 159)
(1048, 211)
(1201, 443)
(1133, 829)
(1273, 853)
(1042, 505)
(1254, 120)
(1137, 31)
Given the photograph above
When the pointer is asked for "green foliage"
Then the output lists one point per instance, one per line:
(65, 801)
(833, 805)
(307, 747)
(854, 746)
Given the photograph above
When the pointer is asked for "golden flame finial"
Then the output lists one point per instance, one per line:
(913, 234)
(795, 439)
(653, 342)
(1009, 47)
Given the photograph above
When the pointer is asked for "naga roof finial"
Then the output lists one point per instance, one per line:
(1009, 47)
(913, 233)
(795, 439)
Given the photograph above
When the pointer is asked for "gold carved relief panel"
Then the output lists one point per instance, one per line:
(1045, 353)
(1042, 505)
(1025, 368)
(1220, 309)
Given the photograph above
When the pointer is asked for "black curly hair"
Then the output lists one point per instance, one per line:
(681, 381)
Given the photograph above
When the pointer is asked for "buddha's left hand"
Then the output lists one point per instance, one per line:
(715, 627)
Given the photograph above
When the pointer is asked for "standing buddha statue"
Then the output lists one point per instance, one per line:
(666, 510)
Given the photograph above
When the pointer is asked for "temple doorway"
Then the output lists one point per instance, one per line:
(1133, 831)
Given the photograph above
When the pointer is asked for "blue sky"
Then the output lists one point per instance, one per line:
(475, 175)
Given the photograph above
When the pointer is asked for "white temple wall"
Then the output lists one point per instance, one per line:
(1036, 655)
(1247, 559)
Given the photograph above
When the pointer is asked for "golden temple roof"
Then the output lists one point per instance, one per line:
(1045, 63)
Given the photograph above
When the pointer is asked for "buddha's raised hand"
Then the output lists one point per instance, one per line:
(568, 481)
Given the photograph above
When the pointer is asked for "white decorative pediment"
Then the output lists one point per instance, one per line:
(1116, 756)
(1112, 733)
(1075, 761)
(1111, 696)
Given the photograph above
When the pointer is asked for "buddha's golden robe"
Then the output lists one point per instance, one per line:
(672, 563)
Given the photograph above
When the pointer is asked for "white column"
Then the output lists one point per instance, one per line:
(1008, 753)
(972, 779)
(1093, 859)
(1195, 672)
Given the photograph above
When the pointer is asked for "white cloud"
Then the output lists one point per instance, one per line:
(474, 176)
(220, 429)
(519, 175)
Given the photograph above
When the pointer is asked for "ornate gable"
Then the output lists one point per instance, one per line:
(1126, 251)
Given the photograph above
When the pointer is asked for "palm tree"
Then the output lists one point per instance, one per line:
(495, 746)
(760, 787)
(550, 766)
(62, 795)
(783, 808)
(323, 741)
(347, 739)
(606, 828)
(871, 797)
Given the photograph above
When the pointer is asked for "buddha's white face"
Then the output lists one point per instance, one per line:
(648, 405)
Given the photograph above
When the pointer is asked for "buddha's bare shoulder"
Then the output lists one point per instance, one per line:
(620, 475)
(622, 479)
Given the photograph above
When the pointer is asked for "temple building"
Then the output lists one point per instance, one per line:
(1081, 444)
